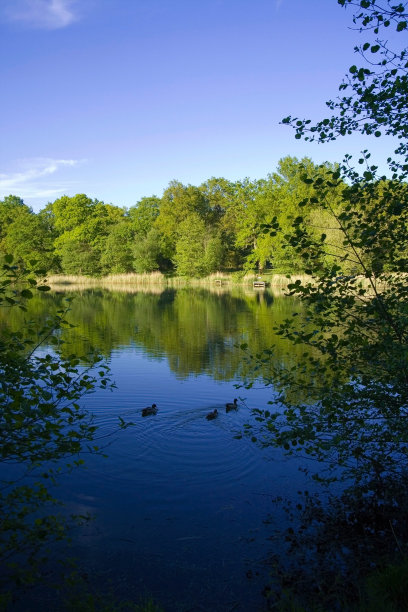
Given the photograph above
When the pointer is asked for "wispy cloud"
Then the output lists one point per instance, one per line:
(43, 14)
(28, 182)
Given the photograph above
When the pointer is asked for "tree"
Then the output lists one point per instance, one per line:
(214, 253)
(43, 429)
(292, 197)
(353, 410)
(345, 407)
(146, 252)
(252, 213)
(11, 208)
(30, 240)
(117, 254)
(190, 247)
(83, 226)
(144, 214)
(378, 92)
(278, 197)
(178, 203)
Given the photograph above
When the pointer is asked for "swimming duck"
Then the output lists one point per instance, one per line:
(150, 410)
(231, 406)
(212, 415)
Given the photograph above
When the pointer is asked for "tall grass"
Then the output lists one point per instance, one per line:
(156, 282)
(160, 278)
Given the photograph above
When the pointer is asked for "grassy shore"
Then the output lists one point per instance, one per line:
(160, 281)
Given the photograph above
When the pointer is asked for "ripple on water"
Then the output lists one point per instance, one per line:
(178, 451)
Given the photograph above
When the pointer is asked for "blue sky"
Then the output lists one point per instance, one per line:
(115, 98)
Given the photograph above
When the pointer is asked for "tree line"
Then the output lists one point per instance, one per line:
(191, 231)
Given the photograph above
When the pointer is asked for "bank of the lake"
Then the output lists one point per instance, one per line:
(217, 281)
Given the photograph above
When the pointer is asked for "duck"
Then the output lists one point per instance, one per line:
(212, 415)
(150, 410)
(231, 406)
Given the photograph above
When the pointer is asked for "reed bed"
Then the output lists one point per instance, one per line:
(133, 281)
(156, 282)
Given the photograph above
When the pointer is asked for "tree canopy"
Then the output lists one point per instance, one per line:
(191, 230)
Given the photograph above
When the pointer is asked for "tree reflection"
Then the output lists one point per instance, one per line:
(196, 330)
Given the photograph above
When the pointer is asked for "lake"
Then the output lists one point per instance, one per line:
(181, 508)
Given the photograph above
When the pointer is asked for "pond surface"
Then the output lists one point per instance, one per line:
(179, 505)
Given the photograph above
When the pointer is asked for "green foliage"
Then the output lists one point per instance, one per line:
(43, 427)
(10, 209)
(351, 412)
(83, 226)
(279, 200)
(343, 408)
(117, 254)
(70, 212)
(146, 251)
(178, 203)
(377, 93)
(197, 252)
(77, 235)
(144, 214)
(25, 235)
(29, 239)
(214, 254)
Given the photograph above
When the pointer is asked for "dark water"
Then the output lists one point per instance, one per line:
(179, 505)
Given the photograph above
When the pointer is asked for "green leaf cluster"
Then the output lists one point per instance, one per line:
(44, 428)
(352, 413)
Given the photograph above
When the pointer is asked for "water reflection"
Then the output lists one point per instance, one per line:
(179, 502)
(196, 330)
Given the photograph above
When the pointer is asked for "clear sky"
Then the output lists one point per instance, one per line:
(115, 98)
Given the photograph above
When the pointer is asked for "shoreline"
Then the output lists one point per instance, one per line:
(158, 281)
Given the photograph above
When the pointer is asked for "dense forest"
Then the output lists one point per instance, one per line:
(191, 231)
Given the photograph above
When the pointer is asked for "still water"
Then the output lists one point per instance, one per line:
(179, 505)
